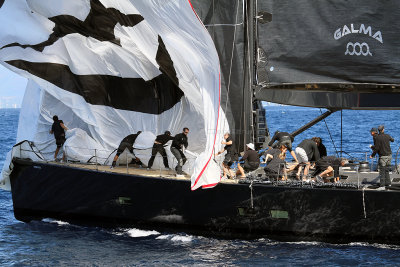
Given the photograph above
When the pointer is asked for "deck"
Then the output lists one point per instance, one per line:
(134, 170)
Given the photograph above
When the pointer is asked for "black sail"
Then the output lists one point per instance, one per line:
(225, 21)
(334, 54)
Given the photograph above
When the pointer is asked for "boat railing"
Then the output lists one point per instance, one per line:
(102, 157)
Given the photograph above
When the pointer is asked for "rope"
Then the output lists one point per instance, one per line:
(231, 60)
(395, 162)
(363, 197)
(330, 135)
(231, 63)
(233, 25)
(251, 194)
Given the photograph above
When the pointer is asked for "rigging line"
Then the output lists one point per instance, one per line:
(215, 25)
(330, 135)
(341, 133)
(249, 73)
(231, 63)
(242, 92)
(395, 162)
(213, 18)
(243, 118)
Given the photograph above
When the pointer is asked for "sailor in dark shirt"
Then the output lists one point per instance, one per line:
(329, 166)
(283, 138)
(276, 164)
(180, 141)
(382, 148)
(321, 148)
(127, 143)
(305, 151)
(374, 134)
(230, 156)
(251, 161)
(158, 147)
(58, 129)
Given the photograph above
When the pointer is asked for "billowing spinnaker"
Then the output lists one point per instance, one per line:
(113, 67)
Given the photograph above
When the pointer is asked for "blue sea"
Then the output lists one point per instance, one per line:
(56, 243)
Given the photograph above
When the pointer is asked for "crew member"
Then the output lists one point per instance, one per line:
(382, 148)
(251, 161)
(58, 129)
(305, 151)
(276, 164)
(180, 142)
(127, 142)
(230, 156)
(283, 138)
(158, 147)
(321, 148)
(374, 133)
(328, 166)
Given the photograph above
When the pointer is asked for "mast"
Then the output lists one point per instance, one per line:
(249, 74)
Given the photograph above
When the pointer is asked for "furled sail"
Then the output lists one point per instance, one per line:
(110, 68)
(335, 54)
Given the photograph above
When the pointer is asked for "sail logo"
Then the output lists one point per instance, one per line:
(358, 48)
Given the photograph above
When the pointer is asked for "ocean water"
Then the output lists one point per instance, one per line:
(56, 243)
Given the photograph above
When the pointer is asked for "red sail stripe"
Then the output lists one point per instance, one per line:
(215, 136)
(216, 129)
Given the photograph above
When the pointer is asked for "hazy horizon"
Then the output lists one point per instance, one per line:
(12, 88)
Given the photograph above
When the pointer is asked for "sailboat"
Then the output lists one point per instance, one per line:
(216, 60)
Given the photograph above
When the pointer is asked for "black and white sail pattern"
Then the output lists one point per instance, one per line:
(113, 67)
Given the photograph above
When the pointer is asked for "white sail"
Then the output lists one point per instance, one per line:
(110, 68)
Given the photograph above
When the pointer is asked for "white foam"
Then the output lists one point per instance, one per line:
(177, 238)
(375, 245)
(140, 233)
(54, 221)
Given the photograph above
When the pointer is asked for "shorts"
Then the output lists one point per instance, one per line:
(60, 140)
(301, 155)
(230, 159)
(122, 148)
(250, 166)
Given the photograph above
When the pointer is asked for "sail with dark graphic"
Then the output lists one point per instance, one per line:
(109, 68)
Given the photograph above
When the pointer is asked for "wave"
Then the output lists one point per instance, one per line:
(141, 233)
(177, 238)
(55, 221)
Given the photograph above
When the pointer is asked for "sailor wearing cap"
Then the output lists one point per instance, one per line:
(251, 161)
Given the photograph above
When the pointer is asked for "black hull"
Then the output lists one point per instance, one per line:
(42, 190)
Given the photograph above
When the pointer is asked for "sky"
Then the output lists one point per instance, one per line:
(12, 88)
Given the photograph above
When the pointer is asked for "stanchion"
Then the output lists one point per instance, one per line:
(160, 165)
(95, 156)
(66, 155)
(127, 166)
